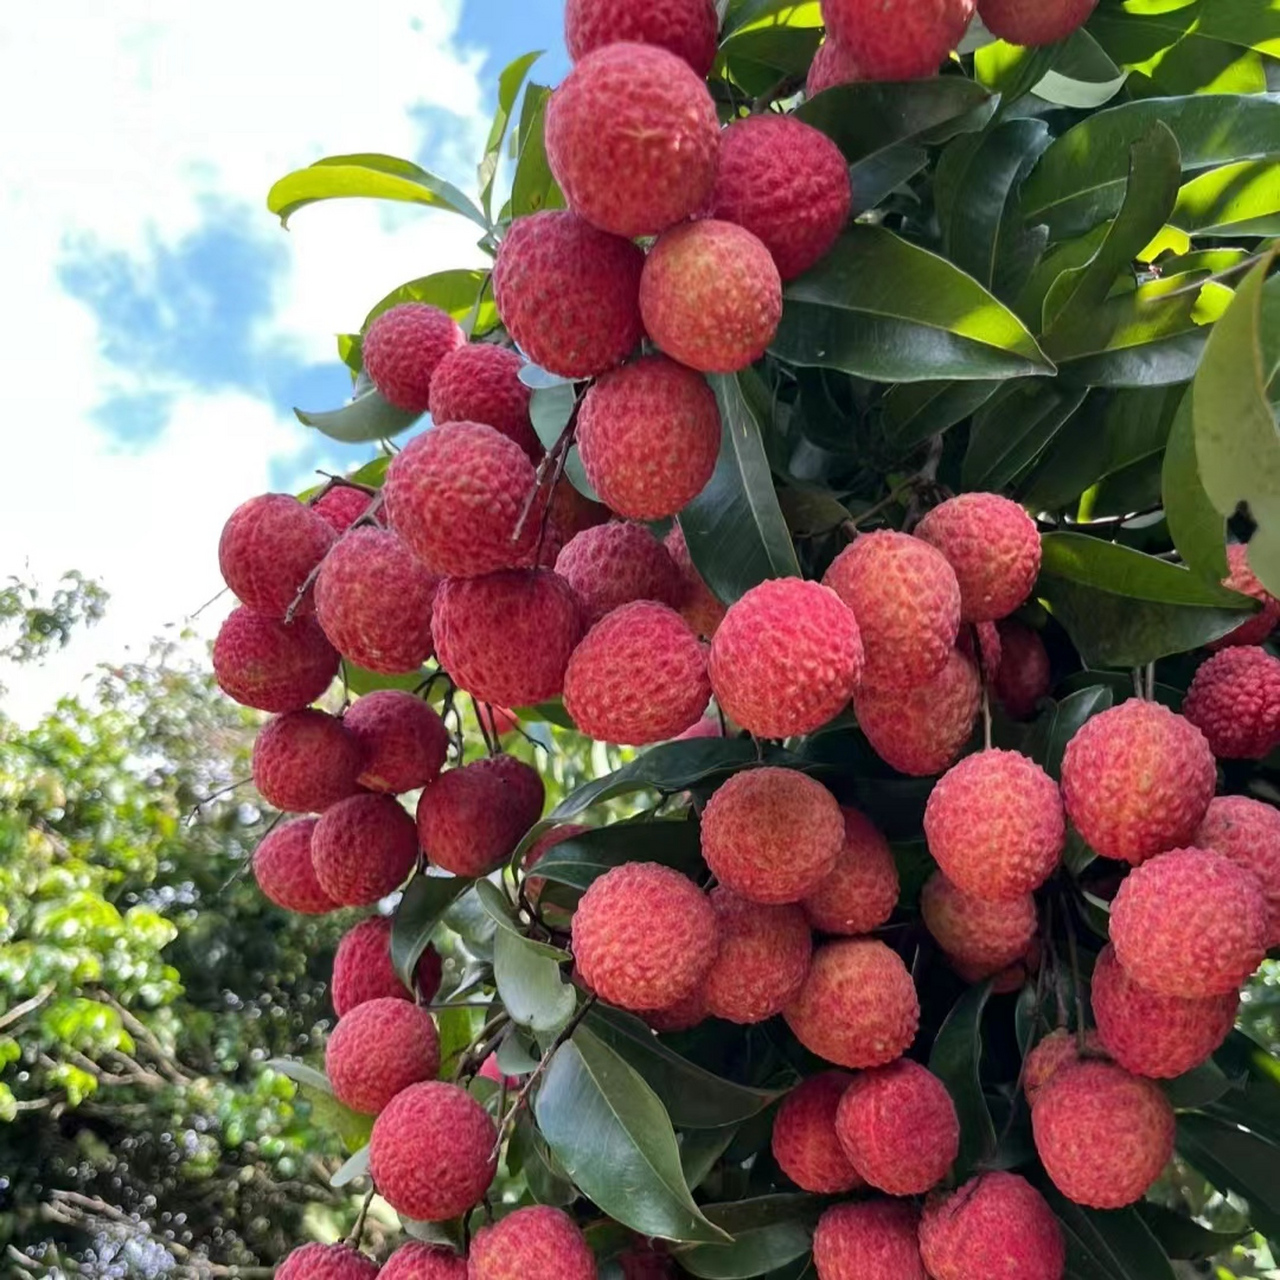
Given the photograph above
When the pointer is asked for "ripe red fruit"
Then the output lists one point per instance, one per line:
(342, 506)
(983, 935)
(832, 65)
(418, 1261)
(304, 761)
(698, 604)
(1234, 701)
(911, 42)
(1034, 22)
(327, 1262)
(1023, 677)
(763, 959)
(681, 1016)
(534, 1243)
(481, 383)
(403, 741)
(268, 548)
(284, 871)
(362, 968)
(363, 848)
(804, 1140)
(610, 565)
(1243, 579)
(687, 28)
(379, 1048)
(402, 349)
(861, 892)
(1248, 832)
(1058, 1051)
(271, 665)
(868, 1240)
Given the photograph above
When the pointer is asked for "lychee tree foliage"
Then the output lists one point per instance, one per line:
(1025, 376)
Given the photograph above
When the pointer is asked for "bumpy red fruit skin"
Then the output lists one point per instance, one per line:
(481, 383)
(772, 835)
(997, 1226)
(283, 869)
(1103, 1135)
(341, 507)
(327, 1262)
(1034, 22)
(1058, 1051)
(403, 348)
(902, 41)
(1190, 923)
(1154, 1035)
(686, 28)
(786, 658)
(610, 565)
(1234, 701)
(1137, 780)
(1243, 579)
(763, 959)
(471, 819)
(711, 296)
(506, 638)
(922, 731)
(833, 64)
(805, 1143)
(362, 968)
(632, 138)
(1248, 832)
(976, 931)
(868, 1240)
(898, 1126)
(537, 1243)
(639, 676)
(858, 1006)
(907, 602)
(860, 893)
(569, 294)
(272, 665)
(620, 954)
(379, 1048)
(431, 1153)
(698, 605)
(418, 1261)
(681, 1016)
(995, 825)
(268, 548)
(363, 848)
(1023, 677)
(403, 740)
(304, 761)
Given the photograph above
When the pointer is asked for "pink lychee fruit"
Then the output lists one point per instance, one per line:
(1248, 832)
(1234, 701)
(1241, 577)
(363, 970)
(327, 1262)
(490, 1070)
(980, 932)
(1012, 977)
(571, 512)
(1035, 23)
(861, 892)
(687, 28)
(620, 953)
(1137, 780)
(363, 848)
(481, 383)
(805, 1143)
(858, 1006)
(684, 1015)
(610, 565)
(379, 1048)
(763, 959)
(271, 665)
(868, 1240)
(415, 1260)
(569, 294)
(342, 506)
(646, 1260)
(402, 349)
(1190, 923)
(535, 1243)
(980, 643)
(284, 871)
(832, 65)
(433, 1152)
(1103, 1135)
(698, 604)
(1058, 1051)
(1023, 677)
(269, 547)
(909, 42)
(304, 761)
(402, 739)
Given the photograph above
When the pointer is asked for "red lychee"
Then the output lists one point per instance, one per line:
(363, 848)
(433, 1152)
(698, 604)
(1243, 579)
(980, 643)
(538, 850)
(922, 731)
(772, 835)
(362, 968)
(804, 1140)
(868, 1240)
(403, 740)
(284, 871)
(304, 761)
(1023, 677)
(379, 1048)
(342, 506)
(268, 549)
(506, 638)
(402, 349)
(571, 512)
(271, 665)
(481, 383)
(862, 891)
(907, 602)
(417, 1261)
(898, 1126)
(620, 953)
(1248, 832)
(1234, 701)
(1056, 1052)
(1035, 23)
(832, 65)
(1137, 780)
(1004, 981)
(535, 1243)
(569, 294)
(681, 1016)
(978, 932)
(763, 959)
(610, 565)
(1190, 923)
(327, 1262)
(858, 1005)
(711, 296)
(687, 28)
(909, 42)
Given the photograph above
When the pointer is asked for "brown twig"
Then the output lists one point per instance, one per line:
(553, 459)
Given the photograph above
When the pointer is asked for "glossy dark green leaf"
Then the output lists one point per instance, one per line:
(1255, 1101)
(1055, 727)
(883, 172)
(1082, 75)
(753, 1253)
(1233, 1160)
(701, 1150)
(1012, 70)
(758, 59)
(955, 1060)
(533, 188)
(582, 859)
(1236, 200)
(1182, 1238)
(1113, 1244)
(368, 417)
(1198, 1088)
(737, 1216)
(528, 1153)
(510, 82)
(495, 903)
(532, 989)
(1061, 257)
(1198, 528)
(914, 411)
(423, 905)
(1012, 430)
(472, 923)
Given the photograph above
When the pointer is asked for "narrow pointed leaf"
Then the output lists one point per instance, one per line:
(422, 907)
(368, 417)
(510, 81)
(955, 1060)
(1198, 528)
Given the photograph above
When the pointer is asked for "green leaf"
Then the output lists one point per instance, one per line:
(359, 680)
(368, 417)
(355, 1166)
(465, 294)
(1198, 1088)
(510, 81)
(1182, 1238)
(1233, 1160)
(882, 173)
(582, 859)
(754, 1252)
(701, 1150)
(738, 14)
(1198, 529)
(955, 1060)
(534, 188)
(1255, 1101)
(756, 60)
(609, 1131)
(1113, 1244)
(549, 410)
(1082, 75)
(914, 411)
(1236, 200)
(1054, 728)
(301, 1073)
(529, 1154)
(1012, 70)
(351, 1128)
(1011, 431)
(530, 985)
(426, 899)
(499, 911)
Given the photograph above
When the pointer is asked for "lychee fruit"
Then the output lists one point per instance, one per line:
(997, 1226)
(1056, 1052)
(922, 731)
(623, 957)
(786, 659)
(687, 28)
(907, 602)
(832, 65)
(402, 739)
(571, 512)
(980, 643)
(1013, 977)
(646, 1260)
(632, 138)
(868, 1240)
(471, 819)
(1023, 677)
(772, 835)
(304, 761)
(1103, 1135)
(711, 296)
(327, 1262)
(456, 493)
(363, 848)
(1234, 701)
(994, 824)
(684, 1015)
(804, 1140)
(362, 968)
(858, 1006)
(1248, 832)
(284, 871)
(639, 676)
(980, 932)
(271, 665)
(268, 549)
(402, 349)
(342, 506)
(1137, 780)
(898, 1126)
(539, 849)
(379, 1048)
(1037, 23)
(417, 1261)
(535, 1243)
(480, 382)
(569, 294)
(763, 959)
(994, 547)
(433, 1152)
(1243, 579)
(861, 892)
(698, 604)
(1190, 923)
(909, 42)
(786, 183)
(1155, 1035)
(505, 638)
(610, 565)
